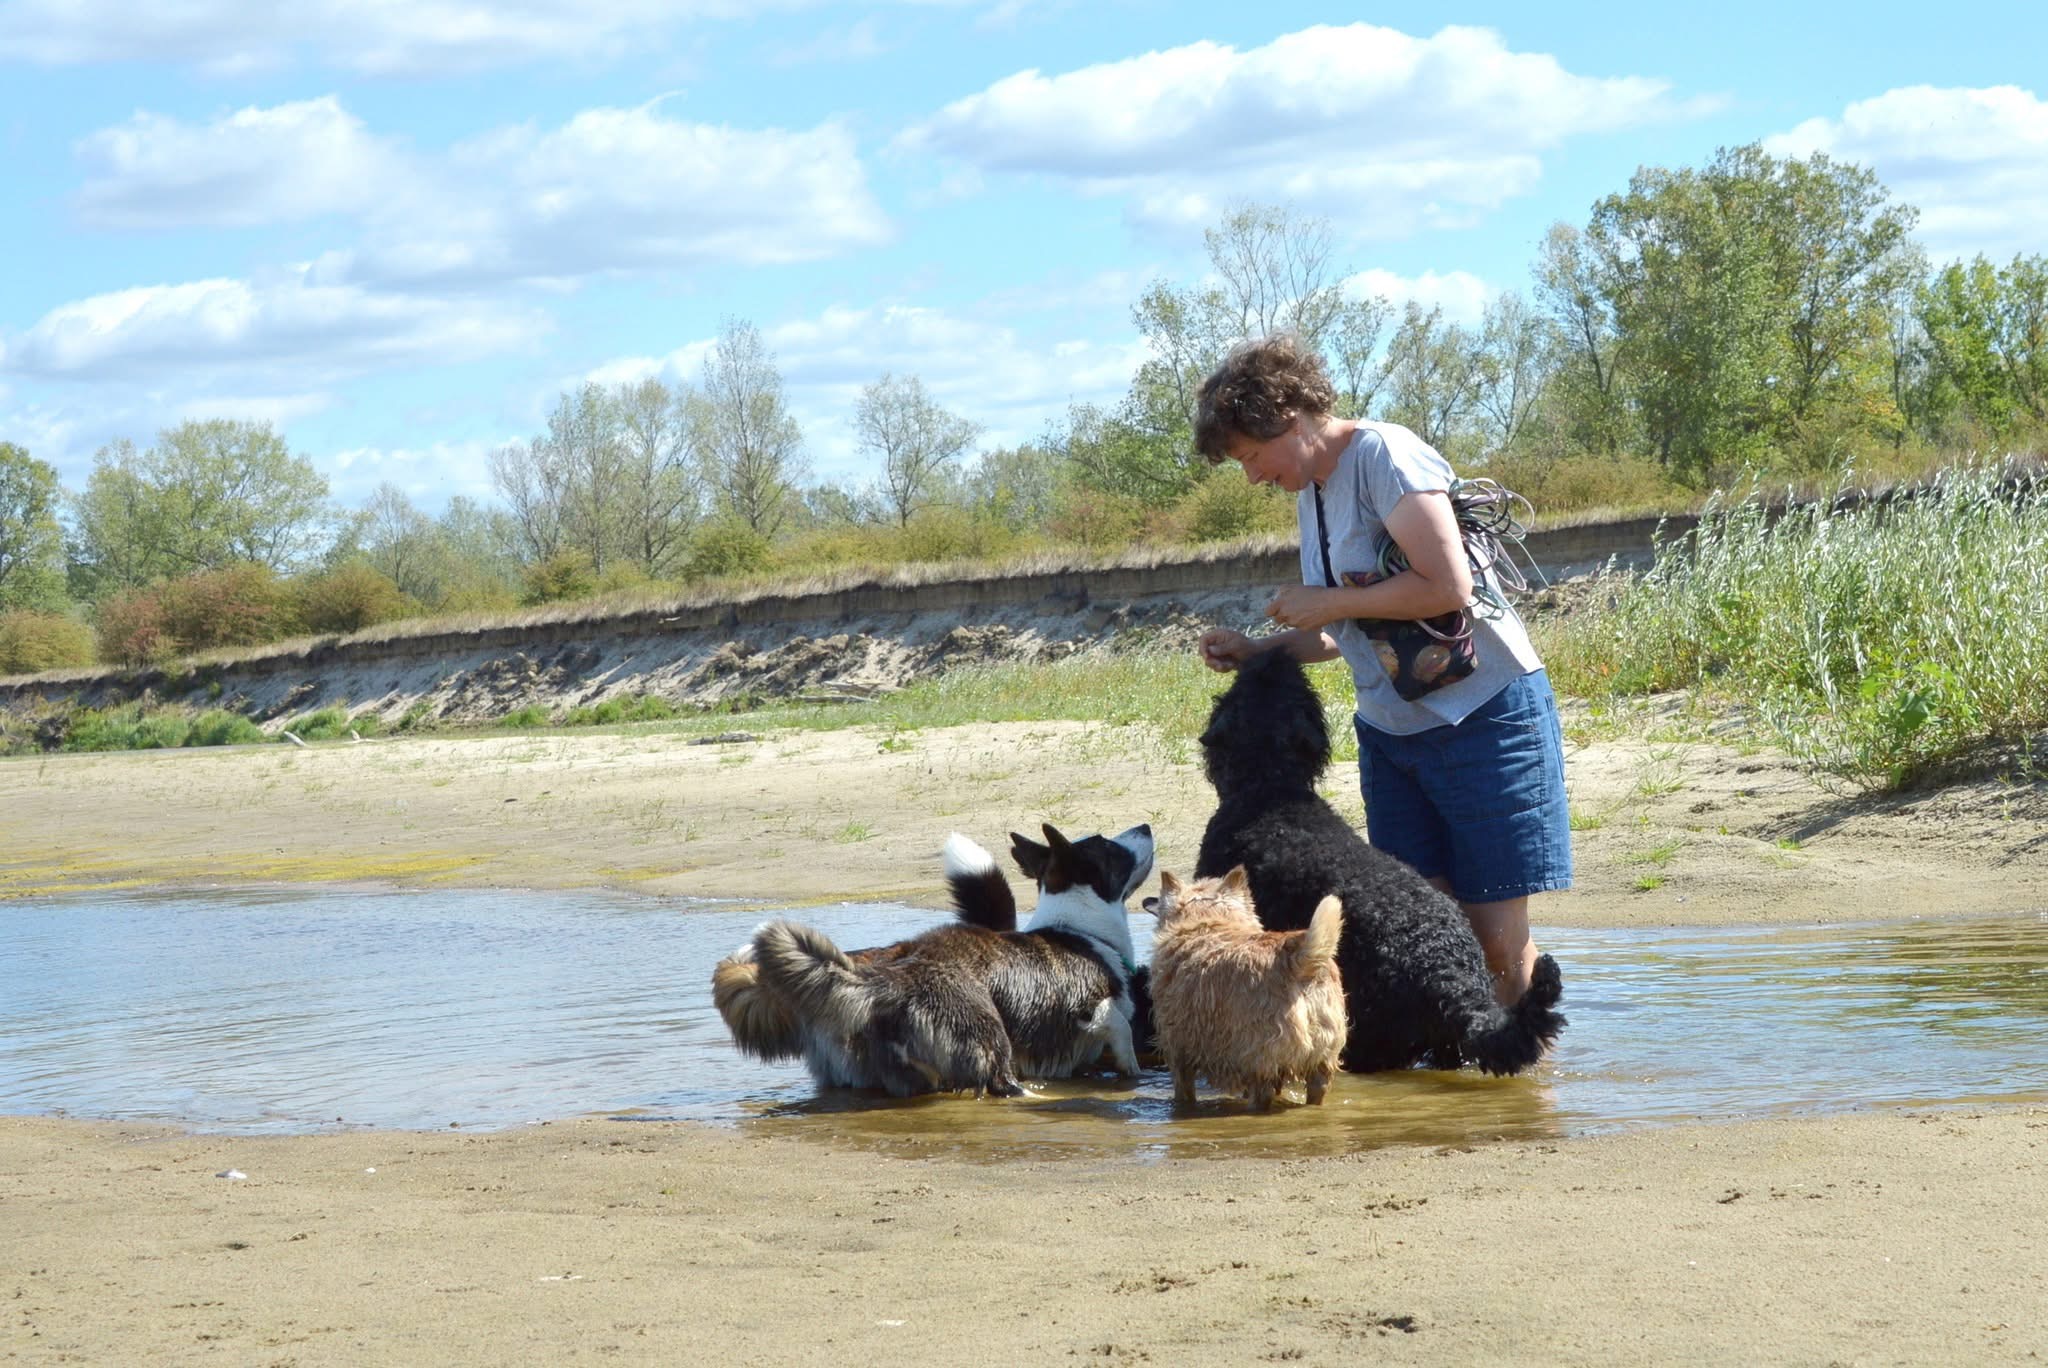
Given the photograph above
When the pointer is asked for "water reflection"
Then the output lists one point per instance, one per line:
(1103, 1119)
(301, 1009)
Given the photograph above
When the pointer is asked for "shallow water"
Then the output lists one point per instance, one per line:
(312, 1009)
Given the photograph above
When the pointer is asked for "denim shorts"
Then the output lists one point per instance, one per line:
(1482, 802)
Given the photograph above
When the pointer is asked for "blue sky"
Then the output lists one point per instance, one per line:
(400, 228)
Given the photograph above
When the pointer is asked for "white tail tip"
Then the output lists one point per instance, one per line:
(963, 856)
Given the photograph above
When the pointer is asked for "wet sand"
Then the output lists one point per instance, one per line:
(1879, 1237)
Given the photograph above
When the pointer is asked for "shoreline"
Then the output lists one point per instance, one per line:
(1854, 1237)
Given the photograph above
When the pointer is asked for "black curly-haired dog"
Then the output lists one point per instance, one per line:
(1415, 978)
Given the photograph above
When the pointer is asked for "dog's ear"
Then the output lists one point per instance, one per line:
(1031, 857)
(1060, 844)
(1168, 883)
(1236, 884)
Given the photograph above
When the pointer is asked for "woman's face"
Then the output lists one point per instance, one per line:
(1286, 460)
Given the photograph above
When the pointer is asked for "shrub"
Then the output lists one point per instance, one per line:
(727, 548)
(237, 605)
(42, 641)
(324, 725)
(621, 575)
(104, 729)
(132, 629)
(942, 534)
(1579, 483)
(481, 595)
(639, 708)
(532, 715)
(219, 727)
(564, 575)
(1226, 506)
(1095, 519)
(348, 598)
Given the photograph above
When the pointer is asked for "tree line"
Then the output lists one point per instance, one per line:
(1756, 313)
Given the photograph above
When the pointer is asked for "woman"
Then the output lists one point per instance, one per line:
(1466, 781)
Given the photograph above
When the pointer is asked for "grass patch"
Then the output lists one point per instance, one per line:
(1163, 697)
(327, 724)
(1876, 641)
(615, 711)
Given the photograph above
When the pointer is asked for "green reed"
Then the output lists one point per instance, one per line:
(1875, 641)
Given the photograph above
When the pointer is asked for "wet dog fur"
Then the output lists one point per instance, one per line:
(1415, 980)
(1249, 1009)
(972, 1006)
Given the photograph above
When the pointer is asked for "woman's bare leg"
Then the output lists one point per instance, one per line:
(1504, 937)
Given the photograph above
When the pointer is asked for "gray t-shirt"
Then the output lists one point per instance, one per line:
(1381, 463)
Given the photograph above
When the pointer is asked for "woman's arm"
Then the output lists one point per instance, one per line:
(1438, 578)
(1224, 649)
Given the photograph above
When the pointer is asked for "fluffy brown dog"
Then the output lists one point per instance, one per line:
(1250, 1009)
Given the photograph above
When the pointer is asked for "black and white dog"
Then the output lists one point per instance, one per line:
(972, 1006)
(1415, 980)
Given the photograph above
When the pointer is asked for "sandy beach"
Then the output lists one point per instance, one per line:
(1874, 1237)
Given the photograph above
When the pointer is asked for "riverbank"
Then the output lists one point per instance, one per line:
(1880, 1237)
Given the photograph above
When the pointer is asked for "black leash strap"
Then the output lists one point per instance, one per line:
(1323, 536)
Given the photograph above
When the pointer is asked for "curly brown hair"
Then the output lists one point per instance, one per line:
(1258, 391)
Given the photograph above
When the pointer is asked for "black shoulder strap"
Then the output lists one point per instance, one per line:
(1323, 536)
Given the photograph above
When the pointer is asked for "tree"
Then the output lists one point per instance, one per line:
(1578, 302)
(1515, 359)
(534, 487)
(1358, 365)
(1747, 298)
(750, 447)
(1270, 271)
(31, 541)
(1432, 375)
(914, 437)
(1018, 486)
(611, 479)
(659, 468)
(209, 493)
(1987, 339)
(397, 541)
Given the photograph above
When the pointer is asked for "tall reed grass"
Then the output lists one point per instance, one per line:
(1875, 640)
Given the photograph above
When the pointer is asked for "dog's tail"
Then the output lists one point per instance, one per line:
(813, 976)
(759, 1018)
(1520, 1034)
(981, 895)
(1317, 946)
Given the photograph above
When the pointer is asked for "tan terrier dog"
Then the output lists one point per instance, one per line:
(1250, 1009)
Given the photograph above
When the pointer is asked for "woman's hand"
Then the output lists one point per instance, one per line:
(1223, 650)
(1304, 606)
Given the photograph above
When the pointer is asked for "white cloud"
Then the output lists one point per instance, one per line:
(376, 37)
(1461, 295)
(1391, 133)
(620, 190)
(1974, 162)
(385, 37)
(610, 191)
(283, 327)
(428, 475)
(251, 167)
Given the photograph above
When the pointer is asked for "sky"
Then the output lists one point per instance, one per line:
(399, 230)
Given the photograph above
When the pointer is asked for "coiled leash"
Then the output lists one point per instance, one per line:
(1491, 519)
